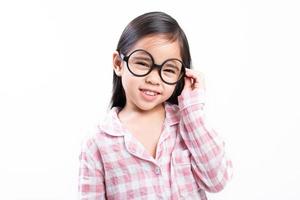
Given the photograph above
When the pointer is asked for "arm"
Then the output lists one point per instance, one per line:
(210, 166)
(91, 179)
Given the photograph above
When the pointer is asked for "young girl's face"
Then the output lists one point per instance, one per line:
(148, 92)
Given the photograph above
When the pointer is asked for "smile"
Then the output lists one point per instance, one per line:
(150, 92)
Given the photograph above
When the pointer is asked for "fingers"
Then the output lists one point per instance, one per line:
(196, 78)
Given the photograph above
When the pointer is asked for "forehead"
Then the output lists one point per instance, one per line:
(160, 47)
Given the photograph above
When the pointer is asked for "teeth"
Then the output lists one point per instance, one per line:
(150, 93)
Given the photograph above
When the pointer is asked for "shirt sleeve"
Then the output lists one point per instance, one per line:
(210, 166)
(91, 179)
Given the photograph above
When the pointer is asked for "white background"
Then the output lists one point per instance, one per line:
(56, 78)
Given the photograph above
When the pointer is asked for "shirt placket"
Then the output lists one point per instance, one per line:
(160, 175)
(162, 170)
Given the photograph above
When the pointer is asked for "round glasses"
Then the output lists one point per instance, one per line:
(140, 63)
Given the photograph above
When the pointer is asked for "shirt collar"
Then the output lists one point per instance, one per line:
(172, 114)
(113, 126)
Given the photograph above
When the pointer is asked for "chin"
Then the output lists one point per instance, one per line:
(147, 107)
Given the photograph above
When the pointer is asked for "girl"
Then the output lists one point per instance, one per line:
(154, 143)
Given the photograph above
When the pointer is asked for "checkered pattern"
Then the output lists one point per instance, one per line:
(190, 158)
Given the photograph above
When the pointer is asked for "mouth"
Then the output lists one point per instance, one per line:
(150, 92)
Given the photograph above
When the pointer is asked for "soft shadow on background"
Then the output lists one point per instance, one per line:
(55, 86)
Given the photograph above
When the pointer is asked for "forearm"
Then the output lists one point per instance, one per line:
(211, 167)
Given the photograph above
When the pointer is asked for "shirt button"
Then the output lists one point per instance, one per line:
(157, 171)
(160, 198)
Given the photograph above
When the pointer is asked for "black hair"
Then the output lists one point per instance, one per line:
(150, 23)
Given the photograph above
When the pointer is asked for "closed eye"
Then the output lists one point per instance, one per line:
(141, 63)
(170, 71)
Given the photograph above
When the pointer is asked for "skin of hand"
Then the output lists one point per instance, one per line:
(193, 80)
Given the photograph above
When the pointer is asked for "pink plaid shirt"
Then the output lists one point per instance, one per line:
(190, 158)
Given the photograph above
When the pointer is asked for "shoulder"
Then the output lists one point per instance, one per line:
(90, 143)
(98, 146)
(108, 132)
(108, 128)
(100, 138)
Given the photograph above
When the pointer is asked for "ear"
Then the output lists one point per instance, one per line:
(117, 63)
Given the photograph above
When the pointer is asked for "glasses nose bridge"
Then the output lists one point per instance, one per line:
(155, 71)
(156, 66)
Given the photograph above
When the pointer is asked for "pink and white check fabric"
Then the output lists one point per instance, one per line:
(190, 158)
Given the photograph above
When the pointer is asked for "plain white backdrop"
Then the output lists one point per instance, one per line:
(56, 78)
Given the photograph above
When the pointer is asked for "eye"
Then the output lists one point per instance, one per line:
(142, 63)
(169, 71)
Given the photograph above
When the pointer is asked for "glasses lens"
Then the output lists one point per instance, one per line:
(171, 71)
(140, 63)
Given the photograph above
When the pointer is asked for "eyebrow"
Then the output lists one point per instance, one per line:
(153, 57)
(143, 57)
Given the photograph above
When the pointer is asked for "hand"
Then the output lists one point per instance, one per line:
(193, 80)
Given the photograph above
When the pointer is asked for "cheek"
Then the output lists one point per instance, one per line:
(169, 89)
(128, 82)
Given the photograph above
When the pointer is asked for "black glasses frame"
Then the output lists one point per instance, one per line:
(126, 58)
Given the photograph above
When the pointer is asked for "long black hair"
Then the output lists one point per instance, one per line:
(144, 25)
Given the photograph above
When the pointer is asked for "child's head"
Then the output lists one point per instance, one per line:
(161, 30)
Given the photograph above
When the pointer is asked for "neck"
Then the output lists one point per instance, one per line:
(127, 114)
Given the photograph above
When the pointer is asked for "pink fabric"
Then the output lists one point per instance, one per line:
(190, 158)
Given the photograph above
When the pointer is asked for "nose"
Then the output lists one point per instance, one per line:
(153, 77)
